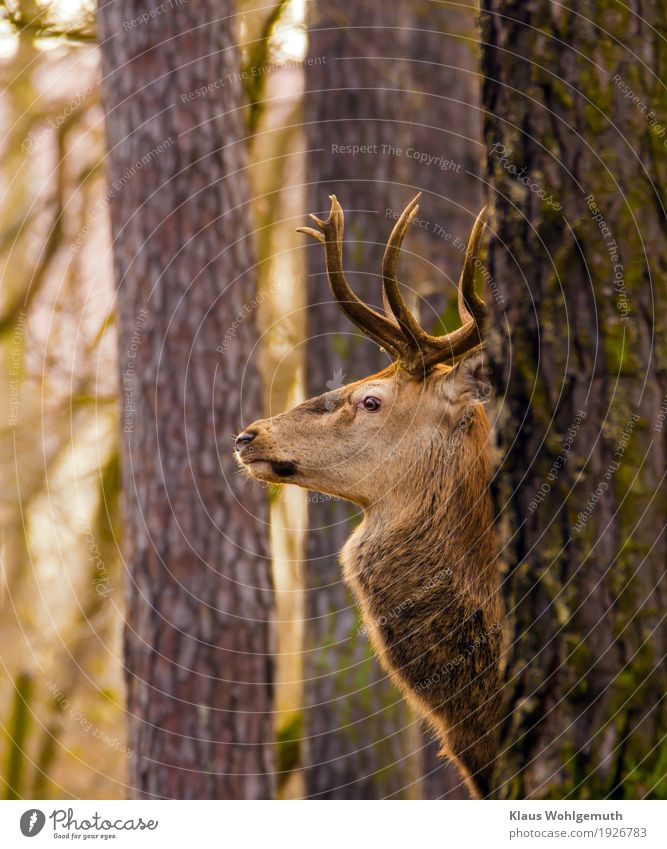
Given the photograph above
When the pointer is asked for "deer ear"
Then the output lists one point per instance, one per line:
(468, 382)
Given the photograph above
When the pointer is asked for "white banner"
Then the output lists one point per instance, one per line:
(333, 825)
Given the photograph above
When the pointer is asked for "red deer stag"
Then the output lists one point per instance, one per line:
(409, 445)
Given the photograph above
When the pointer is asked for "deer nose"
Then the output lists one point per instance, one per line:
(244, 439)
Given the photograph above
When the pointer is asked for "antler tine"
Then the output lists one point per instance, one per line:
(391, 293)
(472, 309)
(404, 338)
(471, 306)
(447, 349)
(330, 234)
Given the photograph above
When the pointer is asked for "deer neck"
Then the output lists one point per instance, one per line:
(441, 525)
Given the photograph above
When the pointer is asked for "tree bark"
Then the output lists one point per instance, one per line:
(446, 149)
(198, 649)
(446, 142)
(576, 169)
(361, 740)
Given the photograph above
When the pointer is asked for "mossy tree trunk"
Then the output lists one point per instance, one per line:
(198, 649)
(361, 740)
(575, 130)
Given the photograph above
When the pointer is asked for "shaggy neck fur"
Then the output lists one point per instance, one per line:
(422, 565)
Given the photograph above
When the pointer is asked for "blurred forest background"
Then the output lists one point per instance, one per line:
(265, 109)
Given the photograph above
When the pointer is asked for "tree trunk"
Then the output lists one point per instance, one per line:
(446, 149)
(198, 647)
(577, 266)
(361, 740)
(446, 144)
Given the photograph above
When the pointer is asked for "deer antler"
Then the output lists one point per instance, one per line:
(393, 301)
(471, 306)
(383, 331)
(415, 349)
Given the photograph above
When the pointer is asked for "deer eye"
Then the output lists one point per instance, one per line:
(371, 404)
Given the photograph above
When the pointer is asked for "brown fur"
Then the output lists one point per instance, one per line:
(422, 562)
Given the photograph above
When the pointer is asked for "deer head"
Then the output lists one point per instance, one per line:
(362, 441)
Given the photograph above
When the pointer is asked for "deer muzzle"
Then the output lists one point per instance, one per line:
(256, 451)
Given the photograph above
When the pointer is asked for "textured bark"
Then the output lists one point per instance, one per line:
(199, 599)
(445, 122)
(581, 498)
(361, 741)
(445, 125)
